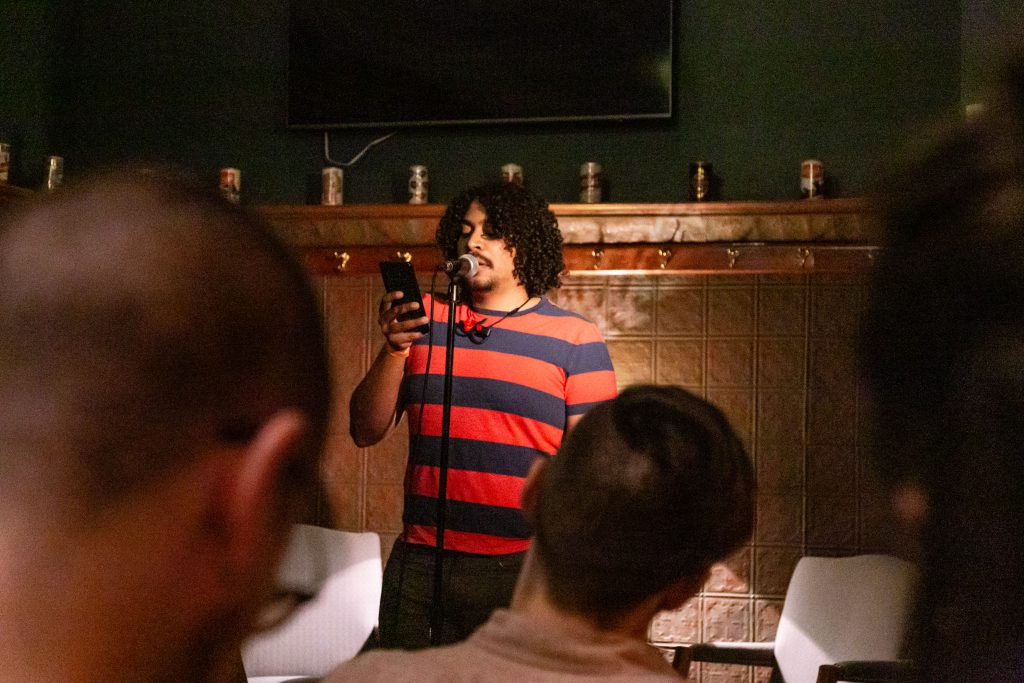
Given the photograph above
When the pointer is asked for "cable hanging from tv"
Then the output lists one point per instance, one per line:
(357, 157)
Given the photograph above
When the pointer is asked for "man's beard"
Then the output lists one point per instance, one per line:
(481, 284)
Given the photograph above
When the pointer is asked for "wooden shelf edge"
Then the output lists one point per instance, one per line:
(633, 259)
(738, 208)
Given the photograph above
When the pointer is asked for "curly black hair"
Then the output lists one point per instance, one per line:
(523, 220)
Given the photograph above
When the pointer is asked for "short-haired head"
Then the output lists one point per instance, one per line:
(649, 488)
(144, 317)
(519, 217)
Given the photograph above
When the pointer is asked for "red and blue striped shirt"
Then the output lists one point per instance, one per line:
(512, 393)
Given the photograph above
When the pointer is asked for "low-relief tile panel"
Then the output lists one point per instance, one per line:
(680, 361)
(384, 507)
(774, 567)
(588, 302)
(781, 310)
(766, 619)
(732, 575)
(833, 364)
(633, 360)
(724, 673)
(680, 311)
(630, 311)
(831, 469)
(832, 521)
(779, 519)
(780, 466)
(730, 362)
(835, 311)
(738, 407)
(731, 311)
(677, 626)
(385, 462)
(726, 618)
(780, 416)
(831, 415)
(780, 363)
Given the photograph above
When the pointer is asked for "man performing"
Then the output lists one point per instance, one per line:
(163, 399)
(645, 495)
(525, 371)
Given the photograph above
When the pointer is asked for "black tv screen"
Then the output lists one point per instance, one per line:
(372, 63)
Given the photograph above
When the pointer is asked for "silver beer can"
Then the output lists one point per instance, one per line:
(418, 184)
(332, 186)
(5, 162)
(512, 173)
(812, 179)
(231, 184)
(590, 182)
(54, 173)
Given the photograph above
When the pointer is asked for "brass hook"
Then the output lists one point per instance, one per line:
(342, 256)
(805, 254)
(598, 254)
(665, 255)
(733, 255)
(404, 256)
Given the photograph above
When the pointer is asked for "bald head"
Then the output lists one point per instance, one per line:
(141, 317)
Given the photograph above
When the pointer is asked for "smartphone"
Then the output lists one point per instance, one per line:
(400, 276)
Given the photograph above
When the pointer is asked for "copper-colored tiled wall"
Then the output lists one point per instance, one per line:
(774, 352)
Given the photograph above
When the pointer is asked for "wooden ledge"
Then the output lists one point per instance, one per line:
(842, 220)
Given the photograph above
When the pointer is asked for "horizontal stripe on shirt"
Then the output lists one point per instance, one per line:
(465, 541)
(493, 520)
(486, 425)
(490, 394)
(474, 455)
(499, 490)
(584, 357)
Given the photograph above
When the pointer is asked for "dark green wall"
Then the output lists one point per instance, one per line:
(26, 93)
(759, 87)
(991, 28)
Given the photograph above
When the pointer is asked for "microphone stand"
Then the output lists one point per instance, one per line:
(437, 605)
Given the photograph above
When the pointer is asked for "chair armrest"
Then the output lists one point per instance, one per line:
(892, 671)
(751, 654)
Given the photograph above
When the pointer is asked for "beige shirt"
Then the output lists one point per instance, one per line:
(515, 647)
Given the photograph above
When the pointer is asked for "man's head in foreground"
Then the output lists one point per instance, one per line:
(646, 494)
(164, 393)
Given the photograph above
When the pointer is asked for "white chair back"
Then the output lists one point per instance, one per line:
(332, 627)
(843, 608)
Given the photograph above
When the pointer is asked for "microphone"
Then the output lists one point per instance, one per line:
(465, 266)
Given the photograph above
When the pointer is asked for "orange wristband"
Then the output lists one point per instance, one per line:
(404, 353)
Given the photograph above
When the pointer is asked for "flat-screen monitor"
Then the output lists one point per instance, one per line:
(374, 63)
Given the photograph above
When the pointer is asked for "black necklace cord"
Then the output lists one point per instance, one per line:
(479, 332)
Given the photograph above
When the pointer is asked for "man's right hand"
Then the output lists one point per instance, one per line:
(398, 334)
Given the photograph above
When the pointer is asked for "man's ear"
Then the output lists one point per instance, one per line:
(531, 488)
(254, 501)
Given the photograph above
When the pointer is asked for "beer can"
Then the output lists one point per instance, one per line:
(812, 179)
(700, 181)
(5, 162)
(54, 173)
(231, 184)
(512, 173)
(590, 182)
(418, 184)
(332, 186)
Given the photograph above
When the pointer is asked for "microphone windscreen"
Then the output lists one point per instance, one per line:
(474, 264)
